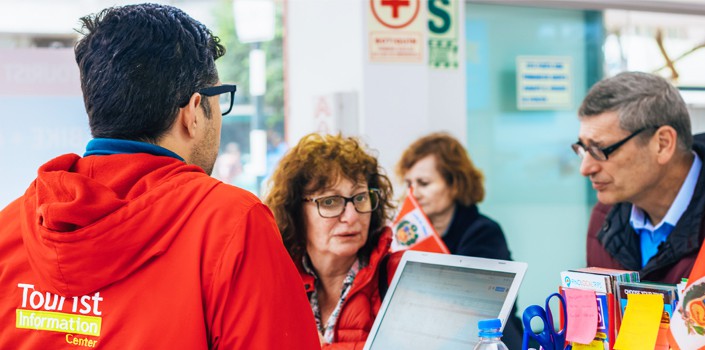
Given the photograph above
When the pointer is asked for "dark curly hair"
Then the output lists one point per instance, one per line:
(139, 64)
(452, 162)
(315, 163)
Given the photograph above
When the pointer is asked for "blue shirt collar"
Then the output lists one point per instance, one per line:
(102, 147)
(638, 218)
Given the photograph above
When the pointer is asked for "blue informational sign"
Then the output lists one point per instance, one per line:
(544, 83)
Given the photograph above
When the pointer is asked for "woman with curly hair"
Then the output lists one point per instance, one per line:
(331, 202)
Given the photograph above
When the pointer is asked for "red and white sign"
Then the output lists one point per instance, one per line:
(396, 30)
(395, 14)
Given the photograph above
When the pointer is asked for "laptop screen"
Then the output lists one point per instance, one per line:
(438, 306)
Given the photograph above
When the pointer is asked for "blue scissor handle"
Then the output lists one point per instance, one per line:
(558, 336)
(544, 337)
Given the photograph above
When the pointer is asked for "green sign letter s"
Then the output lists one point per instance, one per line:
(440, 13)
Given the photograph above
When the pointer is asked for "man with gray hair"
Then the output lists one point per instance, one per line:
(637, 149)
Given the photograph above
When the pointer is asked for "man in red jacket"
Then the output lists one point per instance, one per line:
(637, 149)
(133, 245)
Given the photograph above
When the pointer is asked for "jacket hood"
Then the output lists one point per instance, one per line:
(89, 222)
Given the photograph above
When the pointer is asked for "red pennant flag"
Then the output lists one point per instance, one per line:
(688, 321)
(414, 231)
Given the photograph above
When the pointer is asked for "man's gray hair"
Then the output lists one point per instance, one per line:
(641, 100)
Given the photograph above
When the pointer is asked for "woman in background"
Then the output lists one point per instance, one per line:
(448, 187)
(331, 203)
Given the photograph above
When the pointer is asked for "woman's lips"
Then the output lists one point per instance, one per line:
(346, 234)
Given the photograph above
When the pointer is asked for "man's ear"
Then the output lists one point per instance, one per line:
(187, 115)
(666, 139)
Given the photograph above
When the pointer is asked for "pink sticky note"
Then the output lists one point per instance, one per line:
(582, 315)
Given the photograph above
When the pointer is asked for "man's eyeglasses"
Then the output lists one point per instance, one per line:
(334, 206)
(226, 98)
(601, 153)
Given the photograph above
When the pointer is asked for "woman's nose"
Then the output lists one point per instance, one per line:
(349, 213)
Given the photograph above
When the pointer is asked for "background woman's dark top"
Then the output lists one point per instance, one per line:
(473, 234)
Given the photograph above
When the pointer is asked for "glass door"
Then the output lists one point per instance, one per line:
(528, 69)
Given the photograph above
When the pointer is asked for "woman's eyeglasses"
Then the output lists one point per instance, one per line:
(334, 206)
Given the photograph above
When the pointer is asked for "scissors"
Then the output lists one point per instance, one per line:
(548, 338)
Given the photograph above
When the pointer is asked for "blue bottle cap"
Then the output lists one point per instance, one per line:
(494, 323)
(490, 328)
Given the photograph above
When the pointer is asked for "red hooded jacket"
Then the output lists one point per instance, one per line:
(136, 251)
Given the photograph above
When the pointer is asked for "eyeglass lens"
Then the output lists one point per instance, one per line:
(332, 206)
(594, 151)
(578, 149)
(225, 101)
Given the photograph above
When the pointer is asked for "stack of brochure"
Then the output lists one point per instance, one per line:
(603, 282)
(669, 292)
(597, 278)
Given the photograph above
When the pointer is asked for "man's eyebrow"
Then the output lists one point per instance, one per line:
(589, 142)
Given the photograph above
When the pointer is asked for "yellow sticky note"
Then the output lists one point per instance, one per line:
(594, 345)
(640, 324)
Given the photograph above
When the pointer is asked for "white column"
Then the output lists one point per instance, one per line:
(328, 54)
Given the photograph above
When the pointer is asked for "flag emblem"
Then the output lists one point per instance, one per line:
(695, 316)
(406, 233)
(687, 329)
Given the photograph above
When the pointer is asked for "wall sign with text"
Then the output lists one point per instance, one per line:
(395, 30)
(443, 34)
(544, 82)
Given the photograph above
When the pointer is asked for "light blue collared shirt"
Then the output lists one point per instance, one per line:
(651, 237)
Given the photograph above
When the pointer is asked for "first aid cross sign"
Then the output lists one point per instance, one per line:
(395, 14)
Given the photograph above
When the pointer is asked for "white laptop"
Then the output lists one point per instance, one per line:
(435, 301)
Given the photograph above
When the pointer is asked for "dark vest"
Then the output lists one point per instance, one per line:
(613, 243)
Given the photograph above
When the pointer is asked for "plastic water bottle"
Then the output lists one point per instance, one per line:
(490, 335)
